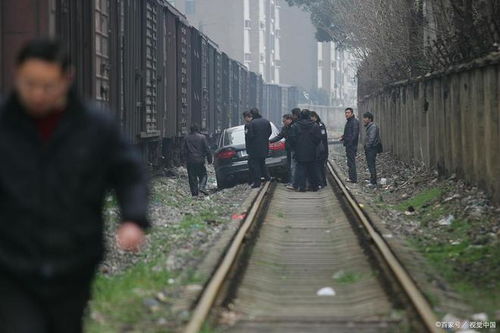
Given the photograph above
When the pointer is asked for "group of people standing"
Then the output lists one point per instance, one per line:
(306, 146)
(372, 145)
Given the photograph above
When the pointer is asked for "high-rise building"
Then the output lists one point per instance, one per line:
(247, 30)
(278, 41)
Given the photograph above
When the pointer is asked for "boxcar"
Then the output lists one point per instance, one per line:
(196, 77)
(183, 76)
(227, 105)
(235, 92)
(171, 88)
(244, 91)
(218, 84)
(142, 59)
(272, 108)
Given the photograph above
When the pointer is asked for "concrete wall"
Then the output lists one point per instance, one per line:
(448, 120)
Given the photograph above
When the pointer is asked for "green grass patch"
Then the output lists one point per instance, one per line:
(118, 300)
(347, 277)
(198, 222)
(472, 270)
(421, 200)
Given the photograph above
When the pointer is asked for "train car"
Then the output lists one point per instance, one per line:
(214, 88)
(252, 89)
(143, 61)
(260, 92)
(293, 98)
(236, 111)
(227, 105)
(244, 89)
(196, 85)
(205, 97)
(218, 84)
(171, 84)
(183, 76)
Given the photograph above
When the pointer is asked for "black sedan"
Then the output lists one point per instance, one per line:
(231, 158)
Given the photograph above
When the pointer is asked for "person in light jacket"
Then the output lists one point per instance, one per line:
(372, 146)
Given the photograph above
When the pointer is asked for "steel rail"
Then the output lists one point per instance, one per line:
(420, 303)
(212, 289)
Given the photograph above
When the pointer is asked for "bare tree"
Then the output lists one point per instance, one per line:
(400, 39)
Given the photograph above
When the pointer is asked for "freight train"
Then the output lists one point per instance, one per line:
(142, 60)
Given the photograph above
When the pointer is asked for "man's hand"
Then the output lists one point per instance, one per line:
(129, 237)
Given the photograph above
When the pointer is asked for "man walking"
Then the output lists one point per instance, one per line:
(350, 140)
(372, 146)
(283, 134)
(59, 158)
(257, 133)
(305, 136)
(195, 151)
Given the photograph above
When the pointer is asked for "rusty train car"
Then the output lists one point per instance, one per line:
(142, 60)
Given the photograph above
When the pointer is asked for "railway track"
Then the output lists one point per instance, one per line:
(310, 262)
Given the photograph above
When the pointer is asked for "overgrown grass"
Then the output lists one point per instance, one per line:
(470, 268)
(118, 300)
(421, 200)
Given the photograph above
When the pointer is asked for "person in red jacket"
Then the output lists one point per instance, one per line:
(59, 158)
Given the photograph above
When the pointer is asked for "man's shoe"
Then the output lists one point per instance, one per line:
(204, 191)
(371, 185)
(290, 187)
(351, 181)
(255, 185)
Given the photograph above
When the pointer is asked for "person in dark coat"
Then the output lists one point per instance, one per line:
(322, 150)
(350, 140)
(257, 134)
(305, 136)
(59, 159)
(372, 146)
(195, 150)
(247, 117)
(283, 134)
(293, 162)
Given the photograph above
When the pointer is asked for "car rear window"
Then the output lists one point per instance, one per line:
(234, 136)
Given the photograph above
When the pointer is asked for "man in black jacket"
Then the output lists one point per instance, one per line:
(195, 151)
(322, 150)
(350, 140)
(257, 134)
(283, 134)
(305, 136)
(59, 158)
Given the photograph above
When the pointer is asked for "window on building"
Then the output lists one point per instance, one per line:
(190, 7)
(248, 24)
(248, 57)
